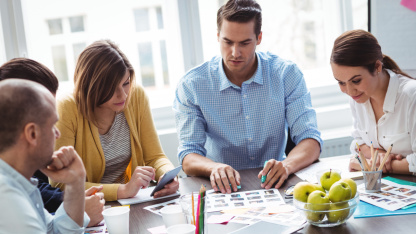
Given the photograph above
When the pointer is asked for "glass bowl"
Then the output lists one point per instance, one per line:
(328, 214)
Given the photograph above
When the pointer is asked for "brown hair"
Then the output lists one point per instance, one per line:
(28, 69)
(359, 48)
(21, 102)
(241, 11)
(100, 68)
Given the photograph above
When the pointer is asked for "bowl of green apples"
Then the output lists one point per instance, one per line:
(326, 207)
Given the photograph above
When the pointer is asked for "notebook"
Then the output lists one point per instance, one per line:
(143, 196)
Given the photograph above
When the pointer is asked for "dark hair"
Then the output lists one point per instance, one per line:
(241, 11)
(21, 103)
(100, 68)
(28, 69)
(359, 48)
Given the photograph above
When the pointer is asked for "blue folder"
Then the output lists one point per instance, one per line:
(366, 210)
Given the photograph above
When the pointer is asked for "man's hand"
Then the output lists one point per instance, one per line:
(274, 170)
(94, 204)
(222, 175)
(66, 167)
(170, 188)
(140, 179)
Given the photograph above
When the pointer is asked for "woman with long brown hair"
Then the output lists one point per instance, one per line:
(109, 123)
(383, 100)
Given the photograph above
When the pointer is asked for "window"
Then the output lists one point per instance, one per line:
(299, 30)
(147, 32)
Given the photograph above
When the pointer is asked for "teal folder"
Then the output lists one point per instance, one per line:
(366, 210)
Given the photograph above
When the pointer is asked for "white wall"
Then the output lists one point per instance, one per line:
(395, 28)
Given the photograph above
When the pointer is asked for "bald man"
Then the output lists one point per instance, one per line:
(27, 138)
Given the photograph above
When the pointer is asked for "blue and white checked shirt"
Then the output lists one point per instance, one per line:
(243, 126)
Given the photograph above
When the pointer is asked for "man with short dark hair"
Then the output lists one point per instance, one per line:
(234, 111)
(27, 138)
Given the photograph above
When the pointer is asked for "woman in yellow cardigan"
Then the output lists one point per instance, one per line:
(109, 123)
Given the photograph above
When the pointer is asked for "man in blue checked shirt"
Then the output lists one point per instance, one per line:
(233, 112)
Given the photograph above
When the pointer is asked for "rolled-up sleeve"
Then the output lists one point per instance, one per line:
(190, 122)
(300, 115)
(62, 223)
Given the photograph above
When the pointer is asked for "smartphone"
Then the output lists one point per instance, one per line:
(167, 178)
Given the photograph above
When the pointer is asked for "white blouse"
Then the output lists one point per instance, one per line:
(398, 124)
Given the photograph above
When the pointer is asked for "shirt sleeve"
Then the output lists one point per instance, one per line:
(190, 122)
(411, 158)
(357, 139)
(300, 115)
(62, 223)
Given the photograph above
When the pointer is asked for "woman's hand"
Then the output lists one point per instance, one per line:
(170, 188)
(140, 178)
(387, 168)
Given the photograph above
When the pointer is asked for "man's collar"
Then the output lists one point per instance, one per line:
(226, 83)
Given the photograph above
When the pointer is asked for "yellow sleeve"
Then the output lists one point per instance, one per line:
(66, 125)
(152, 150)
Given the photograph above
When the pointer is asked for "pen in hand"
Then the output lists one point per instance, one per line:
(264, 177)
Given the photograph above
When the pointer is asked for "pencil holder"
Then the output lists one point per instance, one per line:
(372, 181)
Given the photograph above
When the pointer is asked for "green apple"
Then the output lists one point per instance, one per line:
(302, 190)
(340, 191)
(352, 185)
(319, 187)
(317, 201)
(329, 178)
(335, 214)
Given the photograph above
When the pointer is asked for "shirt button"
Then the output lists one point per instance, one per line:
(250, 139)
(247, 117)
(37, 205)
(245, 96)
(252, 158)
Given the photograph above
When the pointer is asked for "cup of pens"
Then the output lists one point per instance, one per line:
(372, 174)
(186, 201)
(193, 206)
(372, 181)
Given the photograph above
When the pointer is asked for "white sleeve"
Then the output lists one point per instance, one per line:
(411, 158)
(355, 134)
(62, 223)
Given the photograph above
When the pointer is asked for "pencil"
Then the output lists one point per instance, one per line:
(372, 153)
(385, 158)
(359, 162)
(193, 209)
(363, 160)
(374, 161)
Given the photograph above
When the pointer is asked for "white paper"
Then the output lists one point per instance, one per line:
(216, 201)
(143, 196)
(392, 196)
(253, 215)
(309, 173)
(157, 207)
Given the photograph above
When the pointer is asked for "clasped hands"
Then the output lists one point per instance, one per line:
(224, 178)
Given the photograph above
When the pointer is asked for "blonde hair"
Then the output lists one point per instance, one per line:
(100, 68)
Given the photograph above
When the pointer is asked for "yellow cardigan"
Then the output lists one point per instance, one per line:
(77, 131)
